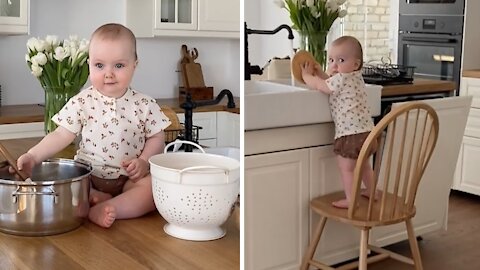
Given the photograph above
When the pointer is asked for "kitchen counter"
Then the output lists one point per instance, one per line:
(472, 73)
(419, 86)
(14, 114)
(137, 243)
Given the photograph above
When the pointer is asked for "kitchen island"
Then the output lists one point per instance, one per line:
(286, 167)
(137, 243)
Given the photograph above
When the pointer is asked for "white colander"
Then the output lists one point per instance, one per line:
(194, 192)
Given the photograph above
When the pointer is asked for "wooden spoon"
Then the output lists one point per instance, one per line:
(12, 162)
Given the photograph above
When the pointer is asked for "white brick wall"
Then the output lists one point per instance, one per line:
(374, 17)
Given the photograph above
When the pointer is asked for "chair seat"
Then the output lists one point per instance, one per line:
(323, 206)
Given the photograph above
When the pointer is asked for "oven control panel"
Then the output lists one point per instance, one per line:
(431, 24)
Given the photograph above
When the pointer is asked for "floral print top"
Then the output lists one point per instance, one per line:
(111, 129)
(348, 104)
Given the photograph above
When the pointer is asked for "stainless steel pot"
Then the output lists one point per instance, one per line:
(53, 202)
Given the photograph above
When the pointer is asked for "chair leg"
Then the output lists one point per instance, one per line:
(313, 243)
(363, 249)
(414, 245)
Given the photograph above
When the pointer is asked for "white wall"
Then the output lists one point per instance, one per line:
(158, 57)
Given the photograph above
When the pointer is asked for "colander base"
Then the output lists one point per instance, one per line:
(204, 234)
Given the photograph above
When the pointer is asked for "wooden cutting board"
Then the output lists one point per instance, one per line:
(193, 75)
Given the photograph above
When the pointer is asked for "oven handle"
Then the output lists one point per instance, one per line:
(430, 40)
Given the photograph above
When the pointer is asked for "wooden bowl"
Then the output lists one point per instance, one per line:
(298, 60)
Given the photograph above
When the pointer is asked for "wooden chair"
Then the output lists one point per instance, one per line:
(406, 138)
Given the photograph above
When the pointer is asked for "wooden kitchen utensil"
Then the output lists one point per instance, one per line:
(12, 162)
(298, 60)
(193, 75)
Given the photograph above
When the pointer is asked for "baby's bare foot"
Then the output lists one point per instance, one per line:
(97, 197)
(341, 204)
(102, 215)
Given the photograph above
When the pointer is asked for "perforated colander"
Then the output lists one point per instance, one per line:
(194, 192)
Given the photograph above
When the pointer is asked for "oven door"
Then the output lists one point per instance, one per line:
(435, 56)
(434, 7)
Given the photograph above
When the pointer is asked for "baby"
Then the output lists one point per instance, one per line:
(120, 130)
(344, 84)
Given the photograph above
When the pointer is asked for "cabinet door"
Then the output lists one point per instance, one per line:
(469, 170)
(14, 16)
(176, 14)
(219, 15)
(339, 242)
(228, 129)
(206, 120)
(471, 87)
(276, 209)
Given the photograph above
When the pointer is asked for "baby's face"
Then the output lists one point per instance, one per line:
(112, 64)
(342, 59)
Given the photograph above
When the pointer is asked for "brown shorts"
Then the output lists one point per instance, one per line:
(111, 186)
(349, 146)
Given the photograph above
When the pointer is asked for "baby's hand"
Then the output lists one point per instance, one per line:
(25, 163)
(136, 168)
(308, 69)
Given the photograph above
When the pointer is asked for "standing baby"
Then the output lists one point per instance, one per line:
(120, 130)
(344, 84)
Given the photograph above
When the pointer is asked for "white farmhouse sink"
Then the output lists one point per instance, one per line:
(273, 104)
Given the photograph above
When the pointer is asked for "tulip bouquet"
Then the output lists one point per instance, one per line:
(313, 19)
(61, 68)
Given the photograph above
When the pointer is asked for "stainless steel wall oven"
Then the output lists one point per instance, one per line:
(430, 37)
(433, 44)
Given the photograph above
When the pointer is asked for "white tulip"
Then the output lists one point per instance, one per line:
(31, 43)
(279, 3)
(40, 59)
(52, 40)
(310, 3)
(83, 46)
(60, 54)
(341, 2)
(27, 58)
(342, 13)
(40, 45)
(36, 70)
(332, 6)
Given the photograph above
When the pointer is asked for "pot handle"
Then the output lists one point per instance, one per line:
(226, 171)
(182, 142)
(51, 192)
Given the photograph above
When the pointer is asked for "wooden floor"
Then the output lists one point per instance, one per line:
(457, 248)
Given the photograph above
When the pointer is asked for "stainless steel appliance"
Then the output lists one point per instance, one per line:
(432, 7)
(433, 44)
(430, 37)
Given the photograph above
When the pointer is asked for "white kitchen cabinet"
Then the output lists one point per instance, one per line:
(228, 129)
(21, 130)
(276, 209)
(14, 16)
(466, 176)
(208, 123)
(185, 18)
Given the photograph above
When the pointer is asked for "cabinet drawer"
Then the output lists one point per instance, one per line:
(471, 87)
(23, 130)
(473, 123)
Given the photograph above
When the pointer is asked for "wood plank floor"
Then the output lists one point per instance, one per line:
(457, 248)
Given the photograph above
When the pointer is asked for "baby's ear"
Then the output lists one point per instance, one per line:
(357, 64)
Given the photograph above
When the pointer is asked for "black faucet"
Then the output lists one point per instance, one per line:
(189, 105)
(249, 69)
